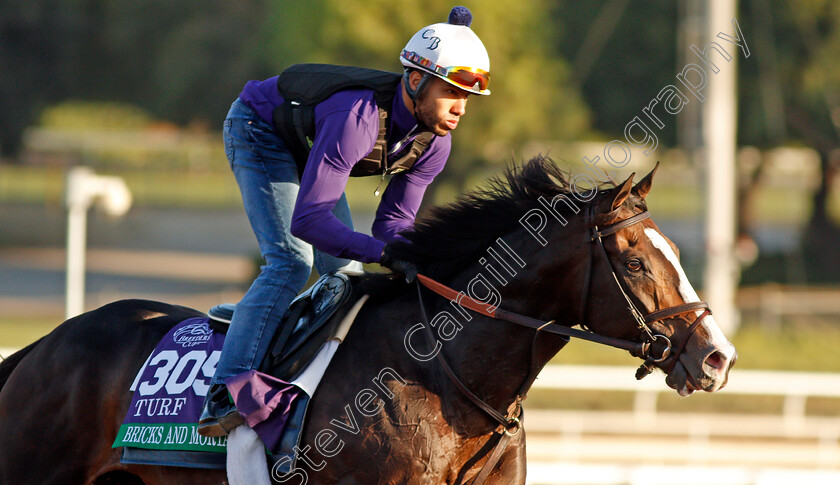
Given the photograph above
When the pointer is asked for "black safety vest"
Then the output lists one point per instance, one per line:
(303, 86)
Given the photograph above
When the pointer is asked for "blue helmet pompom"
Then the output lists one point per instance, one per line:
(460, 16)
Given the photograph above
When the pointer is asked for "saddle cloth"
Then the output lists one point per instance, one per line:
(160, 427)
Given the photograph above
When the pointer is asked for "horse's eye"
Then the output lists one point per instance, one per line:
(634, 265)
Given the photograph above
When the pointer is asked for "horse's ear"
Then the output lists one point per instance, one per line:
(622, 192)
(643, 187)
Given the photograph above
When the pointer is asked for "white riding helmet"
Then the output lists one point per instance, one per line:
(450, 51)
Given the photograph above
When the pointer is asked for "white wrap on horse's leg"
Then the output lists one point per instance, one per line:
(246, 462)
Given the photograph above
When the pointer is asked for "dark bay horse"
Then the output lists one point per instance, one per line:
(388, 410)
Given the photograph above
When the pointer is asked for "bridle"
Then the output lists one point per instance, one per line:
(509, 423)
(643, 321)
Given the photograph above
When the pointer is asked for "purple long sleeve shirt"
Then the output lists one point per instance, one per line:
(346, 127)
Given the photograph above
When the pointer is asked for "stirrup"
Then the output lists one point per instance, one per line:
(218, 414)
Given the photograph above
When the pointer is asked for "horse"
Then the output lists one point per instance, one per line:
(425, 388)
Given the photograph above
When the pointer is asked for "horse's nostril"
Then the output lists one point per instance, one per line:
(716, 360)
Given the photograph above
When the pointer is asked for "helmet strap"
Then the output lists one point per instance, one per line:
(415, 93)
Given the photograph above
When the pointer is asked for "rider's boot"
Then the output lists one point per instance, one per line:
(218, 415)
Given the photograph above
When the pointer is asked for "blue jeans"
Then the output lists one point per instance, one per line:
(269, 183)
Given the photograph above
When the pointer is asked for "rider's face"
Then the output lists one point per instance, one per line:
(441, 105)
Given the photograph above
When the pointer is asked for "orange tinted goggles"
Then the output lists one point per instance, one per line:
(469, 78)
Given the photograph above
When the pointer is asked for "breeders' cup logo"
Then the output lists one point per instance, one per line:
(192, 335)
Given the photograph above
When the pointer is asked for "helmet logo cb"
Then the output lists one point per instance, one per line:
(427, 34)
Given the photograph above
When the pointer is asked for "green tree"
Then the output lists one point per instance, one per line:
(178, 59)
(791, 93)
(621, 52)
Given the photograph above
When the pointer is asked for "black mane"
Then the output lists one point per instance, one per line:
(453, 236)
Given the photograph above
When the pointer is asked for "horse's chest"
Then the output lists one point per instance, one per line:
(401, 444)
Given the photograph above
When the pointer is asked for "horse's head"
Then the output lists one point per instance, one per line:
(605, 265)
(639, 291)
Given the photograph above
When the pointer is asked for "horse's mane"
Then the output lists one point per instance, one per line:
(452, 236)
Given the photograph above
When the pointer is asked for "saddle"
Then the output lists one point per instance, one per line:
(313, 318)
(307, 324)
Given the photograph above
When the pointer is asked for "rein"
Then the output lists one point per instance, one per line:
(509, 424)
(637, 348)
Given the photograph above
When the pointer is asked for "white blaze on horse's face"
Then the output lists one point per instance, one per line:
(717, 352)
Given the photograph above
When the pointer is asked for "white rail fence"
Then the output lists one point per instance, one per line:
(612, 474)
(648, 445)
(792, 423)
(794, 387)
(791, 438)
(773, 304)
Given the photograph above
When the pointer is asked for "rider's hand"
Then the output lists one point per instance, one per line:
(398, 265)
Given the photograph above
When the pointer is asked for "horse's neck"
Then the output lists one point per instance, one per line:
(493, 358)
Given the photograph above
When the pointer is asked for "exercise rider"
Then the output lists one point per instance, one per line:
(292, 142)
